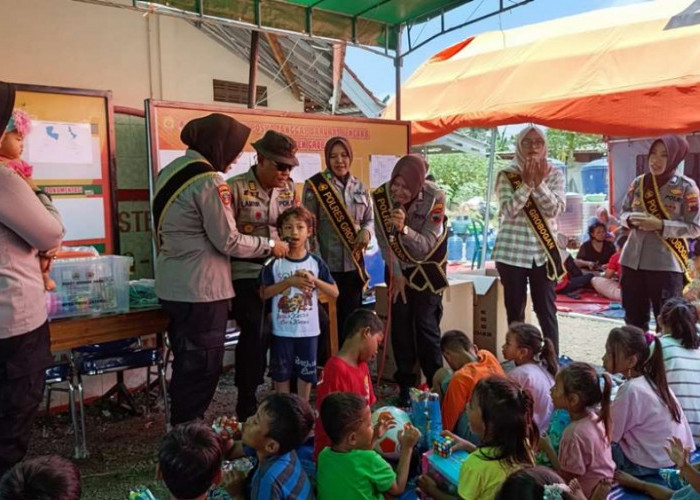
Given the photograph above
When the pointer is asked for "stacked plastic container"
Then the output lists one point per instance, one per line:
(89, 286)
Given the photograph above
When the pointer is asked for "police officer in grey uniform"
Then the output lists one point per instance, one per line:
(410, 212)
(260, 195)
(336, 254)
(661, 211)
(196, 233)
(29, 224)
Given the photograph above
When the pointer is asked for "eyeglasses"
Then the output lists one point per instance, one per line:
(529, 142)
(282, 167)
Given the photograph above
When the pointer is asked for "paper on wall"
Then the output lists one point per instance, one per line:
(59, 142)
(380, 168)
(309, 164)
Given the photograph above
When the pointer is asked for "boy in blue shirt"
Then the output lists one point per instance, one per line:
(292, 283)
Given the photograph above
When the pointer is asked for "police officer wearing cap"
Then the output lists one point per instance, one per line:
(410, 225)
(196, 233)
(260, 195)
(29, 224)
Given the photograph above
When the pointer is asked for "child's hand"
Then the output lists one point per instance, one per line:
(303, 283)
(383, 425)
(233, 481)
(409, 436)
(677, 452)
(459, 443)
(427, 485)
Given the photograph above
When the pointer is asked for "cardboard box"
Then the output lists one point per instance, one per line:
(457, 312)
(490, 318)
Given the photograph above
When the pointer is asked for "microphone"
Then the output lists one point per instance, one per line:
(393, 231)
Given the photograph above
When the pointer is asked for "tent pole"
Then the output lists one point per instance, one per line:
(253, 70)
(397, 66)
(489, 191)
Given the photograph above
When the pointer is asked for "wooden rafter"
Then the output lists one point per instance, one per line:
(281, 58)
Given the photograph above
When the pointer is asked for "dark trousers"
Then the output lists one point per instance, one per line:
(577, 282)
(23, 361)
(415, 335)
(251, 351)
(515, 280)
(350, 298)
(641, 288)
(196, 332)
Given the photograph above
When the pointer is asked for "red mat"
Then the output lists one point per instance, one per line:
(588, 303)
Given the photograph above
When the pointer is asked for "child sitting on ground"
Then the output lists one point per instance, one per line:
(645, 413)
(584, 450)
(535, 367)
(348, 371)
(48, 477)
(281, 424)
(608, 285)
(351, 469)
(500, 412)
(189, 462)
(681, 346)
(537, 483)
(292, 284)
(469, 365)
(679, 454)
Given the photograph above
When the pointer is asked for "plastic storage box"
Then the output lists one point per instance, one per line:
(89, 286)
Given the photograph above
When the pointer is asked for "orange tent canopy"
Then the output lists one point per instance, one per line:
(622, 71)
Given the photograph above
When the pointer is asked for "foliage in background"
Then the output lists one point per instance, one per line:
(562, 144)
(461, 175)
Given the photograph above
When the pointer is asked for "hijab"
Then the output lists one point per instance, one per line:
(219, 138)
(412, 169)
(520, 159)
(329, 146)
(7, 104)
(677, 148)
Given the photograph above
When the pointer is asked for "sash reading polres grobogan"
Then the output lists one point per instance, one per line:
(649, 194)
(178, 181)
(341, 220)
(429, 273)
(539, 225)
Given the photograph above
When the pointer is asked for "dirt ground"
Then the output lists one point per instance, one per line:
(123, 446)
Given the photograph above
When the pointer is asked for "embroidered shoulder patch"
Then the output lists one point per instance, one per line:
(437, 213)
(225, 194)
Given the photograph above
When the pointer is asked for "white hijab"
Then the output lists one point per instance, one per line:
(520, 151)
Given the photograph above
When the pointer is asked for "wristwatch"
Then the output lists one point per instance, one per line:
(404, 230)
(271, 243)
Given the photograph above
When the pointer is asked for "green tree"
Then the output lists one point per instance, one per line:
(562, 144)
(461, 175)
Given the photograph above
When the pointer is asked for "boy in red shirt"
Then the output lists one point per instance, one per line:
(347, 371)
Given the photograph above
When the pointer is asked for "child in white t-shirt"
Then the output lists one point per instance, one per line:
(292, 284)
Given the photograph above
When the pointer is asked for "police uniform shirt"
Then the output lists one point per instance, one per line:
(256, 211)
(645, 250)
(198, 234)
(425, 226)
(359, 206)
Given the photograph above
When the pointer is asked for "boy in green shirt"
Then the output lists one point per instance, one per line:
(351, 469)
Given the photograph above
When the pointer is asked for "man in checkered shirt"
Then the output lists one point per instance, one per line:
(520, 256)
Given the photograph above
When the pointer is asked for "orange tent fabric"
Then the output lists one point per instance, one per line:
(622, 71)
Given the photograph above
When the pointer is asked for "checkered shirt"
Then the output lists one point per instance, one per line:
(516, 242)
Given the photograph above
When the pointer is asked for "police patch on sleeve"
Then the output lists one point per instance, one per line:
(225, 194)
(437, 213)
(691, 201)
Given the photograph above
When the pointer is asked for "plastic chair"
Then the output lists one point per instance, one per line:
(62, 373)
(117, 357)
(477, 231)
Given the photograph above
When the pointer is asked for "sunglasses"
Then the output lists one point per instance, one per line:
(281, 167)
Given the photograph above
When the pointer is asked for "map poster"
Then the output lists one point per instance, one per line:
(64, 143)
